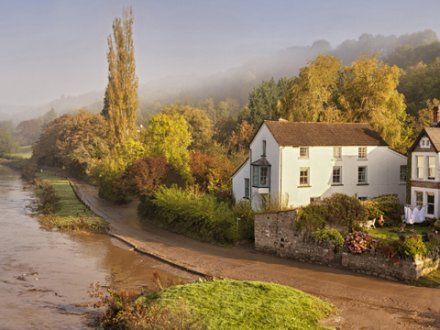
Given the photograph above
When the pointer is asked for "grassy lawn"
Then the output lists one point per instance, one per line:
(391, 233)
(230, 304)
(71, 214)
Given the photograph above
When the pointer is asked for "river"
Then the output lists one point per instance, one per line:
(45, 276)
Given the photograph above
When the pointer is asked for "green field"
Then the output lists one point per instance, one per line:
(230, 304)
(71, 214)
(22, 152)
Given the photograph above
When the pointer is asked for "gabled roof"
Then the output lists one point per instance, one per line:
(297, 134)
(433, 133)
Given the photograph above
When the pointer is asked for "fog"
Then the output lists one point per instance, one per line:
(54, 52)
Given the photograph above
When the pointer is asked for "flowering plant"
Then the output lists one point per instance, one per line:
(359, 242)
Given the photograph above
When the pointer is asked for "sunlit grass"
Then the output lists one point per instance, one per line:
(71, 214)
(230, 304)
(23, 152)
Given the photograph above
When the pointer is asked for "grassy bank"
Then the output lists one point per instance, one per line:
(69, 213)
(220, 304)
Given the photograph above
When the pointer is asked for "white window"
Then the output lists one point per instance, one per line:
(403, 173)
(337, 152)
(430, 198)
(425, 143)
(337, 175)
(362, 152)
(362, 174)
(246, 188)
(304, 176)
(420, 166)
(260, 177)
(431, 168)
(419, 199)
(304, 152)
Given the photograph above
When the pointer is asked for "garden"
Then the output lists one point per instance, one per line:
(386, 247)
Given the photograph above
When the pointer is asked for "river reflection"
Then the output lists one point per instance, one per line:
(45, 276)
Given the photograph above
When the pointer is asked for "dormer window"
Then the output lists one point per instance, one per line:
(425, 143)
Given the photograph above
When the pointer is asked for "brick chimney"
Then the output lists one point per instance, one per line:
(435, 116)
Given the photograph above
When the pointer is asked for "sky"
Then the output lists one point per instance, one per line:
(51, 48)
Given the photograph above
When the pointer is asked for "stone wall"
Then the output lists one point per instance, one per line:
(274, 233)
(406, 270)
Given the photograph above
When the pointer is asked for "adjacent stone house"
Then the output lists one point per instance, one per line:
(425, 176)
(299, 162)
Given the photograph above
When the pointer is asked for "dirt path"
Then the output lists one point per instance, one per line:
(363, 302)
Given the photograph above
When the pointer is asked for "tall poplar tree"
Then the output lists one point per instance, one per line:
(121, 94)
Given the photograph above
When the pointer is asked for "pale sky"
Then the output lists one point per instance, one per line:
(55, 47)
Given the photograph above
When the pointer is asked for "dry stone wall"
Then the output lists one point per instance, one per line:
(274, 233)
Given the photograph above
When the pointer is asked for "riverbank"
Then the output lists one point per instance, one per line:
(69, 214)
(362, 301)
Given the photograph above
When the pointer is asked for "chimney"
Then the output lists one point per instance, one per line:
(435, 116)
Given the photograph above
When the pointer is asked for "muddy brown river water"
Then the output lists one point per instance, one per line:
(45, 276)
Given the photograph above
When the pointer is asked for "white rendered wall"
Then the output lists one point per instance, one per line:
(383, 173)
(238, 181)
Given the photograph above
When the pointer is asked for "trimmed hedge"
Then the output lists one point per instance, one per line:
(193, 214)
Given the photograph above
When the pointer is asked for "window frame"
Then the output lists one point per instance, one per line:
(307, 171)
(257, 175)
(430, 204)
(247, 188)
(362, 152)
(430, 158)
(365, 175)
(306, 156)
(419, 201)
(337, 152)
(402, 173)
(420, 167)
(334, 175)
(264, 148)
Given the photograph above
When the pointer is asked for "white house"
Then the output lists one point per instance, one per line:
(305, 161)
(425, 176)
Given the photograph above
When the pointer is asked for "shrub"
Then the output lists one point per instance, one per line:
(433, 245)
(243, 211)
(195, 214)
(28, 171)
(329, 236)
(273, 204)
(310, 218)
(411, 246)
(344, 210)
(390, 207)
(359, 242)
(48, 201)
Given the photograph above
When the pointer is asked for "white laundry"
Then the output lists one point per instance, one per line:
(415, 215)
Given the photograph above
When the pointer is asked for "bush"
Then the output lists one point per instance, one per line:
(28, 171)
(390, 207)
(329, 236)
(48, 201)
(310, 218)
(343, 210)
(411, 246)
(243, 211)
(195, 214)
(273, 204)
(359, 242)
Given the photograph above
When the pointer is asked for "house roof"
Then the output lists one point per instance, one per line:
(297, 134)
(433, 133)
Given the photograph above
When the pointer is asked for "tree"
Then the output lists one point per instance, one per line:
(200, 125)
(368, 93)
(7, 143)
(313, 91)
(28, 131)
(169, 136)
(263, 103)
(121, 94)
